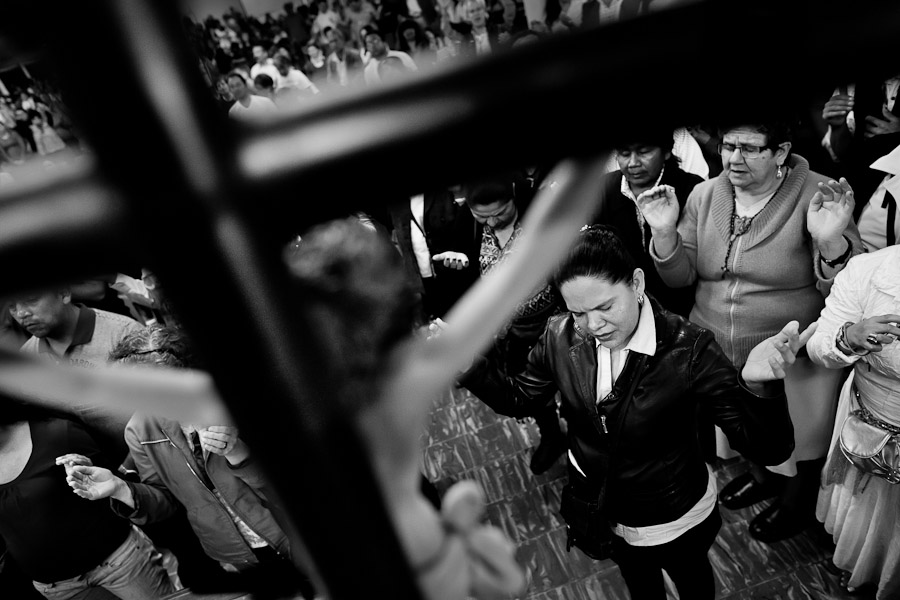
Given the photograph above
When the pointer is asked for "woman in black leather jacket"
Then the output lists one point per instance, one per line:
(632, 376)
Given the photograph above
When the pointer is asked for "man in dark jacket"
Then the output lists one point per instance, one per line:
(433, 233)
(645, 162)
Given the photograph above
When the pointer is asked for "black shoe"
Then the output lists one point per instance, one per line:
(777, 523)
(547, 453)
(744, 491)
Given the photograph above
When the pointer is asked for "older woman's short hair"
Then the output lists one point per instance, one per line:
(777, 132)
(598, 253)
(155, 344)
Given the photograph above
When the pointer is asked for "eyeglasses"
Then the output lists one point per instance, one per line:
(748, 151)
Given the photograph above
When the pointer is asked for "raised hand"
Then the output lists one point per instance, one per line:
(829, 213)
(875, 126)
(452, 260)
(770, 358)
(659, 205)
(836, 109)
(223, 440)
(92, 483)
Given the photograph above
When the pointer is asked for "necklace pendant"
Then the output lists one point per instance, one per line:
(742, 225)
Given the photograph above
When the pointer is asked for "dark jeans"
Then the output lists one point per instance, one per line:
(684, 559)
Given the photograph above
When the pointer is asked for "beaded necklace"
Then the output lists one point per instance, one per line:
(741, 225)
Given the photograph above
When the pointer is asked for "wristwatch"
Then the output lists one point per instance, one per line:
(840, 259)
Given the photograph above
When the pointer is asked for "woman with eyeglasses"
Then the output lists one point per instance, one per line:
(497, 204)
(763, 241)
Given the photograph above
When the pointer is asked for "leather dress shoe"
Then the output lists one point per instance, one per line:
(777, 523)
(547, 452)
(744, 490)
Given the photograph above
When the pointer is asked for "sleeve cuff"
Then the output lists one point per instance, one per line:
(835, 353)
(772, 390)
(241, 465)
(664, 261)
(123, 510)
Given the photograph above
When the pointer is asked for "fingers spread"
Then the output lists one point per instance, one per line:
(808, 332)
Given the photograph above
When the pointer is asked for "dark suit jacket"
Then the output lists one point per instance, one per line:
(448, 227)
(620, 212)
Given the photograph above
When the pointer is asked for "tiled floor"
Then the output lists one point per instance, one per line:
(467, 440)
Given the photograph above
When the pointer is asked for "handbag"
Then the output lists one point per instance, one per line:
(870, 444)
(587, 526)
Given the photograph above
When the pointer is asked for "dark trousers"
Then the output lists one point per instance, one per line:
(684, 559)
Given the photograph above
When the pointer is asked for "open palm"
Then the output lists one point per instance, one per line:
(830, 210)
(770, 358)
(659, 205)
(92, 483)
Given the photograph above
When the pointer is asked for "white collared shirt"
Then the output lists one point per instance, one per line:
(873, 219)
(419, 243)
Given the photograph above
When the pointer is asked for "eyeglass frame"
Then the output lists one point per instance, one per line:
(741, 147)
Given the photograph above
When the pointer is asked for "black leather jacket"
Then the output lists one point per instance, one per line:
(659, 472)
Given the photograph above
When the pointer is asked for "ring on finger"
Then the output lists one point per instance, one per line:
(872, 339)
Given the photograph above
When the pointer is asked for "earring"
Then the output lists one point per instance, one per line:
(640, 299)
(779, 173)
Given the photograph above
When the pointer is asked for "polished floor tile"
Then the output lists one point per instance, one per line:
(467, 440)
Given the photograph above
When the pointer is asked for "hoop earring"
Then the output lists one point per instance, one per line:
(779, 173)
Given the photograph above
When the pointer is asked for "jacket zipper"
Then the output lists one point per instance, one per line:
(603, 423)
(734, 288)
(221, 501)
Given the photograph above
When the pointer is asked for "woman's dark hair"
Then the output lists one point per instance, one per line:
(263, 82)
(500, 187)
(354, 282)
(155, 344)
(598, 253)
(421, 40)
(776, 132)
(661, 139)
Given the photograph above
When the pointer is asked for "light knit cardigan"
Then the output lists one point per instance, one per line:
(775, 276)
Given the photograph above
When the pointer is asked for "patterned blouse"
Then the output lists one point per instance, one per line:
(493, 254)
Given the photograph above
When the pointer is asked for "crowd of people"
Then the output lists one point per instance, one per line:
(735, 291)
(257, 64)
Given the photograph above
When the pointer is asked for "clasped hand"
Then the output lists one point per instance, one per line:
(874, 333)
